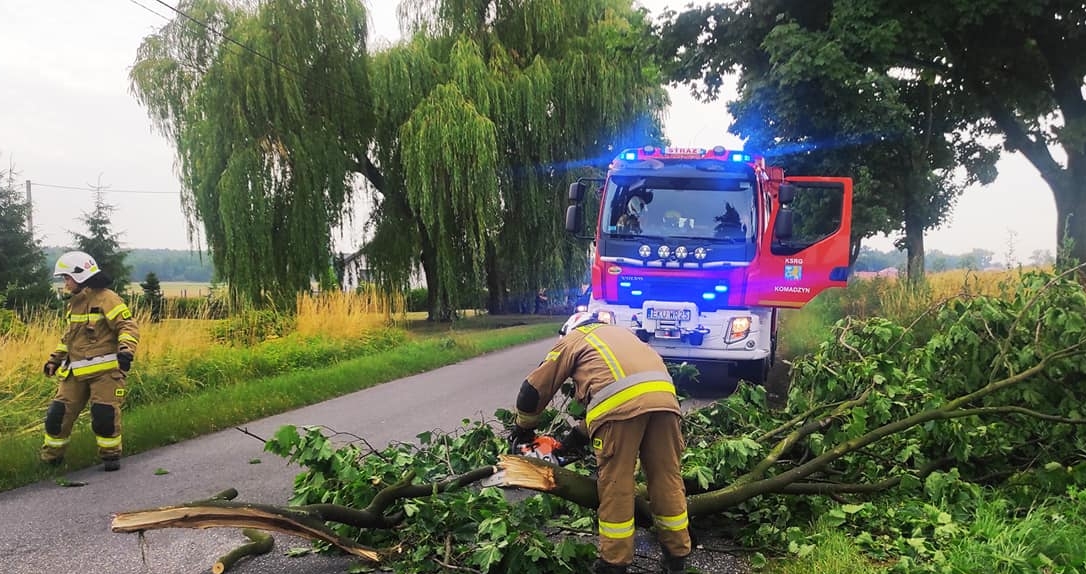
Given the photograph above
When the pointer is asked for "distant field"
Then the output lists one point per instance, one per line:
(177, 289)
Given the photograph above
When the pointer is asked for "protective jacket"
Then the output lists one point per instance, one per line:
(615, 375)
(632, 414)
(100, 326)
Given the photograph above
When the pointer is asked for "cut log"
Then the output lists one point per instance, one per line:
(228, 514)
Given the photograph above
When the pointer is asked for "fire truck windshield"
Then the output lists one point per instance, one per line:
(717, 209)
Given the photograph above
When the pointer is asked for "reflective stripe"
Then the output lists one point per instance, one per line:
(108, 442)
(88, 318)
(674, 523)
(126, 337)
(617, 529)
(528, 421)
(607, 355)
(62, 348)
(93, 361)
(118, 310)
(92, 365)
(52, 441)
(625, 389)
(553, 356)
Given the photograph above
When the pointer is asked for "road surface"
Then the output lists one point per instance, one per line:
(46, 528)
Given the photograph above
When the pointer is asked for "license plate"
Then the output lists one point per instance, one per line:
(669, 314)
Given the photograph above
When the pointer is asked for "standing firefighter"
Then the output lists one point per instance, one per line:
(90, 362)
(632, 412)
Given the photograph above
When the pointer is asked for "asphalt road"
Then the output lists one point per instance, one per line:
(46, 528)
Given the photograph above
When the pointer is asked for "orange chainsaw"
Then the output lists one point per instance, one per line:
(543, 447)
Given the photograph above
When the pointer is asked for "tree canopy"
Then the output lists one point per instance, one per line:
(1010, 69)
(267, 107)
(825, 97)
(466, 134)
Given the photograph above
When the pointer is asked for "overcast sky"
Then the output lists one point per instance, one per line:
(68, 120)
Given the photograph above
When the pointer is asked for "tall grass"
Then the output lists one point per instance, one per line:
(338, 314)
(908, 304)
(178, 356)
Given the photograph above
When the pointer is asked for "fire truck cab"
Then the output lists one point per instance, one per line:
(696, 250)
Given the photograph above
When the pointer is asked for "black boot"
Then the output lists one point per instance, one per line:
(672, 564)
(602, 567)
(111, 464)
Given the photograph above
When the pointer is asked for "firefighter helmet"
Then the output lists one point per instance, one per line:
(77, 265)
(583, 318)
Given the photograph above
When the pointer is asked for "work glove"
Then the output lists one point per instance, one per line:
(520, 436)
(125, 361)
(50, 368)
(573, 443)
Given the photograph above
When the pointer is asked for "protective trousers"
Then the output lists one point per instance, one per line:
(106, 392)
(657, 438)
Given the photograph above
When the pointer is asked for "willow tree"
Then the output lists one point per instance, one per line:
(560, 86)
(267, 106)
(467, 134)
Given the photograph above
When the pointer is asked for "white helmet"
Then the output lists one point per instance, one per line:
(583, 318)
(76, 264)
(636, 206)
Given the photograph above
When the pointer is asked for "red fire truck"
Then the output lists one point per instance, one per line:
(696, 250)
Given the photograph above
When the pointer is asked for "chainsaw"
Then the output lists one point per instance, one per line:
(543, 447)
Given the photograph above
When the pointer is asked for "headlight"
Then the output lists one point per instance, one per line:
(663, 251)
(700, 253)
(644, 251)
(680, 252)
(740, 327)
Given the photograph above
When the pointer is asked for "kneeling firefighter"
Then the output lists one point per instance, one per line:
(632, 412)
(90, 362)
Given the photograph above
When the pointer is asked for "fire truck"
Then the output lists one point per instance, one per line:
(697, 250)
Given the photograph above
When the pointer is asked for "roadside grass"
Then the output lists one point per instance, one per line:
(201, 411)
(835, 553)
(1002, 538)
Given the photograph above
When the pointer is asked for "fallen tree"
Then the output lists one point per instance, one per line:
(976, 391)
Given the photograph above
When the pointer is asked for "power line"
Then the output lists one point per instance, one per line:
(145, 7)
(241, 45)
(252, 51)
(104, 189)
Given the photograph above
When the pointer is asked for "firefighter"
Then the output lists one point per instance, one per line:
(632, 413)
(91, 361)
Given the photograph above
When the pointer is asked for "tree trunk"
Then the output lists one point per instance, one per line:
(854, 251)
(914, 232)
(1070, 196)
(496, 300)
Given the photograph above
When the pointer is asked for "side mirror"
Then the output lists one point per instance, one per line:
(576, 191)
(574, 218)
(786, 193)
(782, 227)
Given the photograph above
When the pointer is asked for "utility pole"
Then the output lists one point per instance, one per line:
(29, 208)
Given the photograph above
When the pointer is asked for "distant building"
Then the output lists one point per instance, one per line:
(887, 272)
(355, 272)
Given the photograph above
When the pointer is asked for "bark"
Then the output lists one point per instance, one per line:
(261, 543)
(496, 300)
